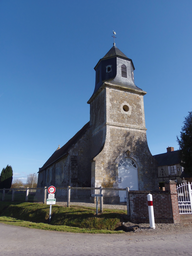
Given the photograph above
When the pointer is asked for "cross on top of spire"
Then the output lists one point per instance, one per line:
(114, 33)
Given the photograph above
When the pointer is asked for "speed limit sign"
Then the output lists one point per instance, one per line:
(51, 190)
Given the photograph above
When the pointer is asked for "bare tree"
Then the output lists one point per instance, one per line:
(17, 183)
(32, 180)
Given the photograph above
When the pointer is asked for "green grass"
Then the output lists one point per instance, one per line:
(74, 219)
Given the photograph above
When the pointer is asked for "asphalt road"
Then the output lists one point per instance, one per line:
(20, 241)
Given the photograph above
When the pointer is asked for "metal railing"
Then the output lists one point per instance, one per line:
(184, 192)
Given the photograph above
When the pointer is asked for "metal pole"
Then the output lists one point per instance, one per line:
(96, 205)
(101, 200)
(50, 211)
(127, 196)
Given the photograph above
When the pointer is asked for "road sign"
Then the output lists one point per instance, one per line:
(51, 201)
(51, 190)
(51, 196)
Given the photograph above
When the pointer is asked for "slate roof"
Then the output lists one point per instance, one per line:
(59, 153)
(169, 158)
(115, 52)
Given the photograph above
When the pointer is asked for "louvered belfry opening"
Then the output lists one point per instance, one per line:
(124, 71)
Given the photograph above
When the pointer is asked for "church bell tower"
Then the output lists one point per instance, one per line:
(120, 153)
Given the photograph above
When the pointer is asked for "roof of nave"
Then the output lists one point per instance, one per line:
(59, 153)
(169, 158)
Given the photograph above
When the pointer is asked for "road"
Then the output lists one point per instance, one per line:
(19, 241)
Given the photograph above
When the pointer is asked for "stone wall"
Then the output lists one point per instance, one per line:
(71, 170)
(133, 117)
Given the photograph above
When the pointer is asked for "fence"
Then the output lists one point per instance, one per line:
(68, 195)
(184, 192)
(165, 202)
(18, 194)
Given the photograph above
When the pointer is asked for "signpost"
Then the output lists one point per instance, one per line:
(51, 199)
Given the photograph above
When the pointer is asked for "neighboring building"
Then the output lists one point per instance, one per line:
(111, 150)
(169, 166)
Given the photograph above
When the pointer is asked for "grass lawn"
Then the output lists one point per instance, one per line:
(74, 219)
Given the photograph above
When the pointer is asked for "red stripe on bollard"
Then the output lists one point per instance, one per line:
(150, 203)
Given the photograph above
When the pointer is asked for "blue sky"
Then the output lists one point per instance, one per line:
(48, 50)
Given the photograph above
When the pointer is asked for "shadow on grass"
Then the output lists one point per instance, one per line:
(71, 217)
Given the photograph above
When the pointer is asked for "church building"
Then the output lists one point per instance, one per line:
(111, 150)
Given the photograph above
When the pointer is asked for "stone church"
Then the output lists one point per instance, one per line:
(111, 150)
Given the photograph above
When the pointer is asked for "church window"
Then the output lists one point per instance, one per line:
(108, 68)
(123, 71)
(127, 162)
(125, 108)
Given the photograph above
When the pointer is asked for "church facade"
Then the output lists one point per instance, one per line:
(111, 150)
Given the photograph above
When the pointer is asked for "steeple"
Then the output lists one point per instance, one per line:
(117, 69)
(115, 52)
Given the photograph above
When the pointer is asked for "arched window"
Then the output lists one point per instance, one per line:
(127, 176)
(123, 71)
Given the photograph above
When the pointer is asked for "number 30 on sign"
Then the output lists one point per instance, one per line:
(51, 190)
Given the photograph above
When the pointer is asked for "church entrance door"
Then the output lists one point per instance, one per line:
(127, 176)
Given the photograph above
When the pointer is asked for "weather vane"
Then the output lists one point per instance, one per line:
(114, 33)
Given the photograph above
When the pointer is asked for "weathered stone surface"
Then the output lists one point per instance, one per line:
(72, 170)
(125, 138)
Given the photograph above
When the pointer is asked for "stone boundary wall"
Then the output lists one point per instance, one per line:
(165, 205)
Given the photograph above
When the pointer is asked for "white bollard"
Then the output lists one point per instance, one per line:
(151, 211)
